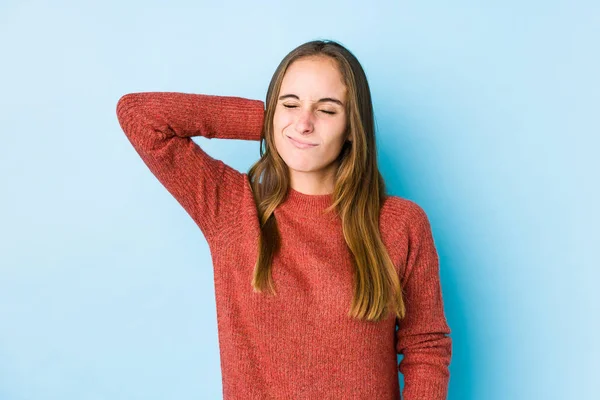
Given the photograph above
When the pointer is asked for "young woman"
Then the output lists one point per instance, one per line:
(314, 265)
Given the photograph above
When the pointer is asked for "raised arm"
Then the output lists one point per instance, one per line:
(160, 125)
(422, 336)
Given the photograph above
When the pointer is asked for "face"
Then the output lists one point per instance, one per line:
(311, 109)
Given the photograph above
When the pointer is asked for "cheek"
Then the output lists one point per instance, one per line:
(280, 122)
(279, 125)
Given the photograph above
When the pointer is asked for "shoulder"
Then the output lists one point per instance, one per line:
(400, 212)
(405, 221)
(404, 227)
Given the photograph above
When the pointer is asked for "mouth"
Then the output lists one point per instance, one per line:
(301, 145)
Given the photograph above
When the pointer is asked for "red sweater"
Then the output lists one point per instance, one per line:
(299, 344)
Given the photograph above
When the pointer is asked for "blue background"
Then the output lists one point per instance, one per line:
(487, 116)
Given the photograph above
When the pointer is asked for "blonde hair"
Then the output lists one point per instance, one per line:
(357, 198)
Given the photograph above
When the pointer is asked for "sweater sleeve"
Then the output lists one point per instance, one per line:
(160, 125)
(423, 335)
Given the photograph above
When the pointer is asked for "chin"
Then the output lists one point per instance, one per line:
(299, 166)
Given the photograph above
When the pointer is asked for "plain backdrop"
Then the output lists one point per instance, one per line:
(487, 115)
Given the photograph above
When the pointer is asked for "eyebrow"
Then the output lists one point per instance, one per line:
(323, 100)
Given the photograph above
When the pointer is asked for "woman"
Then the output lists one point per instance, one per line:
(314, 265)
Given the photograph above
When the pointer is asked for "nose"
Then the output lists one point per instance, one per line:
(304, 123)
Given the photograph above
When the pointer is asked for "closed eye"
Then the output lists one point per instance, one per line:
(325, 111)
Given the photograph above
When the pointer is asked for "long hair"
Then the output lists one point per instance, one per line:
(358, 194)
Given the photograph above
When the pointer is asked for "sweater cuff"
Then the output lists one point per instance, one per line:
(425, 389)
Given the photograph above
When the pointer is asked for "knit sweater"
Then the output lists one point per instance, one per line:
(300, 343)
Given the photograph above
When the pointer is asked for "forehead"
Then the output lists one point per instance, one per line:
(312, 78)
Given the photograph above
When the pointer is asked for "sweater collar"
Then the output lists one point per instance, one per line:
(307, 205)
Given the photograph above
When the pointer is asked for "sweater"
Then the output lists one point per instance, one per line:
(300, 343)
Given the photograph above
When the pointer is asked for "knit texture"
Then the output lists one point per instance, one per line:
(299, 344)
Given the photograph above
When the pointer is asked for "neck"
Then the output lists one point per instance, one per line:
(314, 183)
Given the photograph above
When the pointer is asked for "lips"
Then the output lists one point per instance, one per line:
(299, 144)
